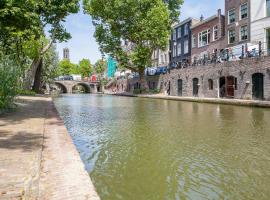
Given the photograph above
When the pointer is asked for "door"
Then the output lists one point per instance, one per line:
(195, 87)
(180, 87)
(230, 86)
(257, 86)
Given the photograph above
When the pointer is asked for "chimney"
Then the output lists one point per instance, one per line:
(201, 18)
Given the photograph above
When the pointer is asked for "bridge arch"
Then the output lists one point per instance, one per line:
(85, 86)
(62, 87)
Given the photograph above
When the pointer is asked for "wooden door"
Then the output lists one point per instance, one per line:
(230, 86)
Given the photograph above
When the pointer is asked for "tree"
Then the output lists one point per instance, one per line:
(100, 66)
(85, 68)
(65, 67)
(26, 20)
(142, 25)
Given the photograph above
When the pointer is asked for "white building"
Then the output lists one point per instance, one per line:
(260, 22)
(160, 58)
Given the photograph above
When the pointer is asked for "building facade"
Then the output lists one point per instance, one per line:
(260, 23)
(66, 53)
(237, 25)
(180, 42)
(160, 58)
(208, 37)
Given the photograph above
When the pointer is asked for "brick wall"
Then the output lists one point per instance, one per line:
(241, 70)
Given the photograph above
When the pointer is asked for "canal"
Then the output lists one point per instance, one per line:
(146, 149)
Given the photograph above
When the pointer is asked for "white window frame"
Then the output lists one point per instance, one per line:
(174, 34)
(200, 36)
(229, 36)
(240, 36)
(186, 29)
(229, 16)
(179, 32)
(174, 49)
(266, 9)
(186, 46)
(240, 9)
(194, 41)
(179, 53)
(215, 28)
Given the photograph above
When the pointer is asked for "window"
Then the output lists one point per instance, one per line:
(193, 41)
(204, 38)
(174, 50)
(231, 36)
(186, 29)
(174, 34)
(165, 58)
(210, 84)
(179, 32)
(179, 50)
(244, 32)
(215, 33)
(244, 11)
(268, 8)
(162, 61)
(231, 16)
(186, 47)
(268, 40)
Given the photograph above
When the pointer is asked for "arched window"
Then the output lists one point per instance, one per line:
(210, 84)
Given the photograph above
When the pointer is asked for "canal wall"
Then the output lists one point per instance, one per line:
(239, 80)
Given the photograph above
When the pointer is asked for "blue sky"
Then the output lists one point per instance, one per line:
(83, 44)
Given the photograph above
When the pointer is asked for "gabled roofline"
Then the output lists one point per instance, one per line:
(183, 22)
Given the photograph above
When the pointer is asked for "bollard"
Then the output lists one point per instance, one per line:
(243, 51)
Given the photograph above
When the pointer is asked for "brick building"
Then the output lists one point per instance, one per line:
(237, 25)
(208, 37)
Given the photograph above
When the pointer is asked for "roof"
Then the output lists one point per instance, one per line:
(205, 21)
(184, 21)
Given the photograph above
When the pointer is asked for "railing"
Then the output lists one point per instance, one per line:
(228, 55)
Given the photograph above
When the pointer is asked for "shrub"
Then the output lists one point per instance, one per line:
(8, 82)
(26, 92)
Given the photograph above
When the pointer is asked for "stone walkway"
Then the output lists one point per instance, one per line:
(238, 102)
(37, 157)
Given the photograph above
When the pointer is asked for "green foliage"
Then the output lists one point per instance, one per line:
(65, 67)
(85, 68)
(26, 92)
(50, 65)
(9, 75)
(154, 91)
(145, 25)
(100, 66)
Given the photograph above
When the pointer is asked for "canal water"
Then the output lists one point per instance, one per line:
(146, 149)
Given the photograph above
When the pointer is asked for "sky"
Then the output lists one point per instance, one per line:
(83, 44)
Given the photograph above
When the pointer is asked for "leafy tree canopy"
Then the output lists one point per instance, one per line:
(85, 68)
(129, 30)
(100, 66)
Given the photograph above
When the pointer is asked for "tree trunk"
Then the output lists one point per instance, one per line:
(37, 77)
(143, 82)
(31, 74)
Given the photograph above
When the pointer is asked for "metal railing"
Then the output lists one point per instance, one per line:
(228, 55)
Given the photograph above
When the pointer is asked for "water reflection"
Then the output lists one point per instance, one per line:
(142, 149)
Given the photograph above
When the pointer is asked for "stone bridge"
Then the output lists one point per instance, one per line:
(67, 86)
